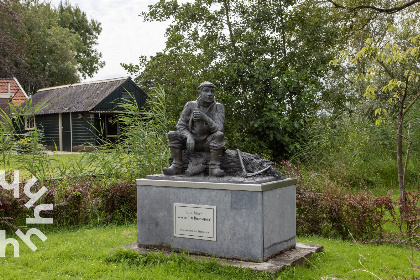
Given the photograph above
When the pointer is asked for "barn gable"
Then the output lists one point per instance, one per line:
(126, 91)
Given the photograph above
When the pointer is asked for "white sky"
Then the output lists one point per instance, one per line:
(125, 36)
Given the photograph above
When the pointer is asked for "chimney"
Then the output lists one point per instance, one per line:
(8, 87)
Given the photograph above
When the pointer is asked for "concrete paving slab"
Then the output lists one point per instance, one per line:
(48, 152)
(297, 256)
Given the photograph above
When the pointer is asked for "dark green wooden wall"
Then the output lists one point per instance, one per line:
(84, 132)
(49, 124)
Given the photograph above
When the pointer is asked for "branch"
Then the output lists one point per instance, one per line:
(229, 23)
(387, 70)
(411, 104)
(391, 75)
(405, 93)
(392, 10)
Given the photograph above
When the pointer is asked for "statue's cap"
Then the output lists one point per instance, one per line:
(206, 84)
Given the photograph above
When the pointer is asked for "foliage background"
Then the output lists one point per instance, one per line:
(287, 92)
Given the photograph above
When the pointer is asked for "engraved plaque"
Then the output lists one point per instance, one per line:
(195, 221)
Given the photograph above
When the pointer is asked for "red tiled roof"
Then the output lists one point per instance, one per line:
(19, 96)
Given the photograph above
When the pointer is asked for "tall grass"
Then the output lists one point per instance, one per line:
(21, 147)
(358, 154)
(8, 135)
(142, 147)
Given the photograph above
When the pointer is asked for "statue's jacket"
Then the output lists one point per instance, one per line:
(201, 130)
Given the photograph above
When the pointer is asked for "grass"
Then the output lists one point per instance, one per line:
(56, 163)
(355, 181)
(349, 260)
(84, 253)
(118, 164)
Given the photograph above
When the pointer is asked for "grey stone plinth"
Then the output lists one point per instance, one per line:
(253, 221)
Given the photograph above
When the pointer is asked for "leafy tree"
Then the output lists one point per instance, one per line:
(267, 59)
(12, 52)
(387, 65)
(87, 32)
(398, 61)
(43, 46)
(51, 55)
(359, 20)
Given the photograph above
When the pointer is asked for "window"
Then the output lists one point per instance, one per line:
(30, 123)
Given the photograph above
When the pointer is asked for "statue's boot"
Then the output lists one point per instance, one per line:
(214, 165)
(176, 166)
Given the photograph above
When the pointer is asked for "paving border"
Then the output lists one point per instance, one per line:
(297, 256)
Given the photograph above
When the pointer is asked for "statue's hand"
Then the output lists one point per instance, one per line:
(190, 143)
(199, 116)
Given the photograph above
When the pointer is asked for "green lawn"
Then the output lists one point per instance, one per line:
(54, 162)
(85, 254)
(46, 166)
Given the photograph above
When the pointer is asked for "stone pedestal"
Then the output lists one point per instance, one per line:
(248, 221)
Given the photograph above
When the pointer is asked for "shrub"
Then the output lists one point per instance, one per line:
(330, 210)
(76, 204)
(410, 209)
(30, 142)
(76, 201)
(88, 200)
(121, 202)
(12, 210)
(360, 215)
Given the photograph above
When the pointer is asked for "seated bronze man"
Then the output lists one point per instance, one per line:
(199, 129)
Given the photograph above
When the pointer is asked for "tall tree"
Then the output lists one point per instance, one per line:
(394, 75)
(386, 58)
(87, 32)
(51, 54)
(43, 46)
(12, 32)
(266, 57)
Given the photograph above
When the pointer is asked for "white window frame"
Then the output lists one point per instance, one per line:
(30, 122)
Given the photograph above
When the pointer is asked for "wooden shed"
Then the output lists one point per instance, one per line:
(74, 117)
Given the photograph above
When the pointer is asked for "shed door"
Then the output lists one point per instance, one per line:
(66, 131)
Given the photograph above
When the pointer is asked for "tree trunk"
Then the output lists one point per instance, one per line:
(401, 179)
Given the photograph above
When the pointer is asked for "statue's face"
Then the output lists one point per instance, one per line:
(207, 94)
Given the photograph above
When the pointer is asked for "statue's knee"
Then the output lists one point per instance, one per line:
(218, 136)
(172, 135)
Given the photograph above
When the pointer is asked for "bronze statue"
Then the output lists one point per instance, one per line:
(199, 129)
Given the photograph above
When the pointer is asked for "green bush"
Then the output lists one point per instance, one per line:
(88, 200)
(30, 142)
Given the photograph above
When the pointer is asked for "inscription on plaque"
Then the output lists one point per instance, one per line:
(195, 221)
